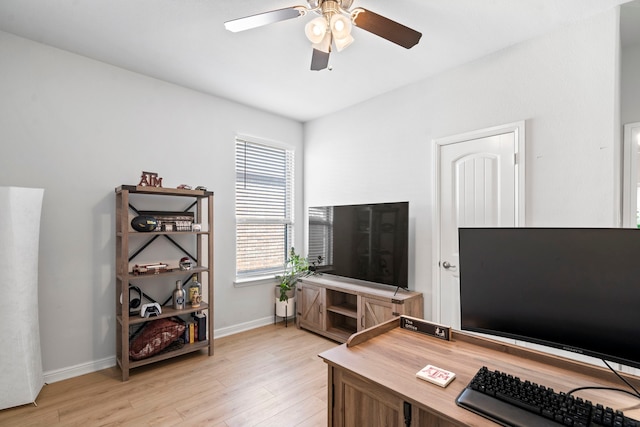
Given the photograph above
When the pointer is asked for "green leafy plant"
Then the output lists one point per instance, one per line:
(296, 267)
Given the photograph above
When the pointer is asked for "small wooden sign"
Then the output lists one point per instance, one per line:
(150, 179)
(425, 327)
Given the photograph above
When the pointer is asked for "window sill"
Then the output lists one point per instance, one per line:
(255, 281)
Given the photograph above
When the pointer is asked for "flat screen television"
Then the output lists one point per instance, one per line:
(577, 289)
(368, 242)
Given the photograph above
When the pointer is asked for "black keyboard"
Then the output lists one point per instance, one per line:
(510, 401)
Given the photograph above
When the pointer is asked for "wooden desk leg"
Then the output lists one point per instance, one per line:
(330, 396)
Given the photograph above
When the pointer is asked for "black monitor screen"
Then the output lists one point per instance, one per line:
(574, 289)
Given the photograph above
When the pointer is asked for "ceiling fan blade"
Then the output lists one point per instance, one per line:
(319, 60)
(261, 19)
(385, 28)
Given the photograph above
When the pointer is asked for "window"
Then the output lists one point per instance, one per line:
(321, 234)
(264, 208)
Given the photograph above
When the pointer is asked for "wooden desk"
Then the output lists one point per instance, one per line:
(373, 375)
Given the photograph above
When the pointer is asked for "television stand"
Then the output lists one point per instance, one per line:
(338, 308)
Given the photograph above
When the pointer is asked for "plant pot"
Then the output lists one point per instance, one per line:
(291, 293)
(285, 308)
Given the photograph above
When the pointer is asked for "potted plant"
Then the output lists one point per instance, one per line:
(296, 267)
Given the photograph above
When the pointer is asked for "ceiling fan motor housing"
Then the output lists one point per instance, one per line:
(319, 5)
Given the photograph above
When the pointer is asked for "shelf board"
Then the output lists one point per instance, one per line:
(348, 310)
(166, 312)
(161, 190)
(188, 348)
(174, 272)
(161, 233)
(340, 334)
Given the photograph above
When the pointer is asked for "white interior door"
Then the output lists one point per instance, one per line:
(479, 183)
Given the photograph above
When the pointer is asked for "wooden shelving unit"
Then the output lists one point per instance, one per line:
(199, 202)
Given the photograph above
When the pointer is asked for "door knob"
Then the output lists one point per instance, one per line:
(446, 265)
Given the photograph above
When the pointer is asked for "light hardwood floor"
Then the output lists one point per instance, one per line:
(269, 376)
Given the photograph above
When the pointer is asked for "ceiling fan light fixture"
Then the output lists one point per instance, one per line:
(316, 29)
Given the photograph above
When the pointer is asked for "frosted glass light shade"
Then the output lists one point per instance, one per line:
(341, 30)
(343, 42)
(340, 26)
(316, 29)
(325, 44)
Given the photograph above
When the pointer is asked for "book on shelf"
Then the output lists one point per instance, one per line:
(191, 332)
(436, 375)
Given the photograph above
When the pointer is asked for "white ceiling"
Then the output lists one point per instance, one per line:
(184, 42)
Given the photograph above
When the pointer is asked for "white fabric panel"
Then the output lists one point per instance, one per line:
(20, 358)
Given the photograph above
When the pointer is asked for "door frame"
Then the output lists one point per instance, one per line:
(630, 174)
(518, 128)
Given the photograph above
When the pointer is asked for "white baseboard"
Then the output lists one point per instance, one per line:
(108, 362)
(77, 370)
(235, 329)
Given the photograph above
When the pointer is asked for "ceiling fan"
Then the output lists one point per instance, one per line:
(332, 27)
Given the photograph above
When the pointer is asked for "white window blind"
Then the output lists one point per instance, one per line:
(264, 208)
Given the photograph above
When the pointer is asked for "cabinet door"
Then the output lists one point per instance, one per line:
(361, 403)
(311, 303)
(358, 402)
(374, 311)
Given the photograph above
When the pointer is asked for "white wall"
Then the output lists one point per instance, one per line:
(78, 128)
(564, 85)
